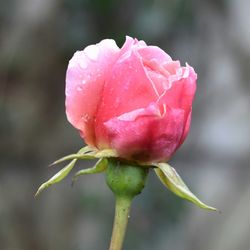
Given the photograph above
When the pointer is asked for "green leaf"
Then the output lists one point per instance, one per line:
(99, 167)
(57, 177)
(170, 178)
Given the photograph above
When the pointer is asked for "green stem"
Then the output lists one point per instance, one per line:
(126, 181)
(122, 209)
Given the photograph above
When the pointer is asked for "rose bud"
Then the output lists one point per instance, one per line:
(135, 100)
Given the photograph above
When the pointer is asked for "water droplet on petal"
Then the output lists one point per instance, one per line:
(179, 71)
(83, 63)
(92, 52)
(67, 92)
(185, 73)
(85, 117)
(79, 88)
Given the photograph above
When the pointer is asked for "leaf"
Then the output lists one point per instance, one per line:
(99, 167)
(170, 178)
(57, 177)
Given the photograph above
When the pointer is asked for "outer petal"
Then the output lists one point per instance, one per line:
(128, 45)
(186, 128)
(127, 88)
(154, 59)
(146, 135)
(85, 79)
(175, 85)
(180, 95)
(154, 53)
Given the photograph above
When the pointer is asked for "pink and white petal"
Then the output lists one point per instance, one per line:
(187, 127)
(154, 53)
(159, 81)
(128, 88)
(181, 95)
(182, 91)
(85, 79)
(128, 46)
(159, 70)
(146, 135)
(172, 66)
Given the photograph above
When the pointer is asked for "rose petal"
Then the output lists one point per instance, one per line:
(150, 53)
(85, 78)
(182, 91)
(129, 46)
(159, 81)
(181, 95)
(128, 88)
(158, 66)
(146, 134)
(186, 128)
(172, 67)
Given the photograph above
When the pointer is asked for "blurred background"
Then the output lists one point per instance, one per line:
(37, 39)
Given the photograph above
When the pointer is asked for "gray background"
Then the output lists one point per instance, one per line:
(37, 38)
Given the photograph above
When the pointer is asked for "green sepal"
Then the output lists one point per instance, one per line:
(63, 172)
(171, 179)
(87, 153)
(107, 153)
(84, 153)
(57, 177)
(99, 167)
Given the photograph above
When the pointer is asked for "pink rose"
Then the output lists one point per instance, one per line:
(135, 100)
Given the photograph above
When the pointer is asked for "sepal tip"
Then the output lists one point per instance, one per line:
(171, 179)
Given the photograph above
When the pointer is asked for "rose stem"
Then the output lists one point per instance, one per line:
(126, 181)
(122, 208)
